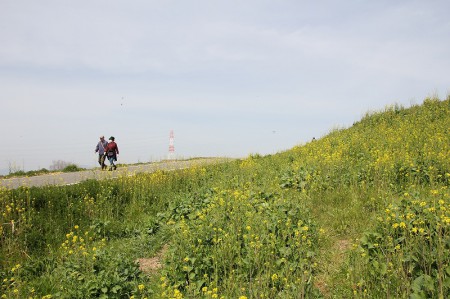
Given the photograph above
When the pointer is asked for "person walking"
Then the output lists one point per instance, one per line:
(111, 151)
(100, 149)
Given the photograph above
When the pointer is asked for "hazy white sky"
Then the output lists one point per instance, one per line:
(230, 77)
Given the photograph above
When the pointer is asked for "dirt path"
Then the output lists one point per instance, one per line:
(76, 177)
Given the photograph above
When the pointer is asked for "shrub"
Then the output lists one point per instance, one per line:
(72, 168)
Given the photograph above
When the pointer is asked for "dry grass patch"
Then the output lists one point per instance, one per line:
(151, 265)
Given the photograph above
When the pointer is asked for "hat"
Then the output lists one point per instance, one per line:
(111, 138)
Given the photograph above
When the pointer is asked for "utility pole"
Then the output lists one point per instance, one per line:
(171, 154)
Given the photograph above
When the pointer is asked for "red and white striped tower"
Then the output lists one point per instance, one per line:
(171, 146)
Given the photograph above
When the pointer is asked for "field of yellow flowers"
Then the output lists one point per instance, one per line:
(363, 212)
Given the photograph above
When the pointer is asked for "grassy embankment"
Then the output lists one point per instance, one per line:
(21, 173)
(362, 212)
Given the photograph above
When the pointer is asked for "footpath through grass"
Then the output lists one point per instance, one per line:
(362, 212)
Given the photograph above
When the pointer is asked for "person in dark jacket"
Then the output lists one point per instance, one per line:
(100, 148)
(111, 151)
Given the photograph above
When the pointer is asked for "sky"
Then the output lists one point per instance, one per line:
(230, 78)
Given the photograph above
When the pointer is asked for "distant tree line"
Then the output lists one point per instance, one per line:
(58, 165)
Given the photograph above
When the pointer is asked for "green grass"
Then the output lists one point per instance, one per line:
(362, 212)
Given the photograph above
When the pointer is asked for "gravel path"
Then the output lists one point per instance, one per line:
(69, 178)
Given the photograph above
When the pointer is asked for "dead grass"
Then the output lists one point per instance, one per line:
(152, 264)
